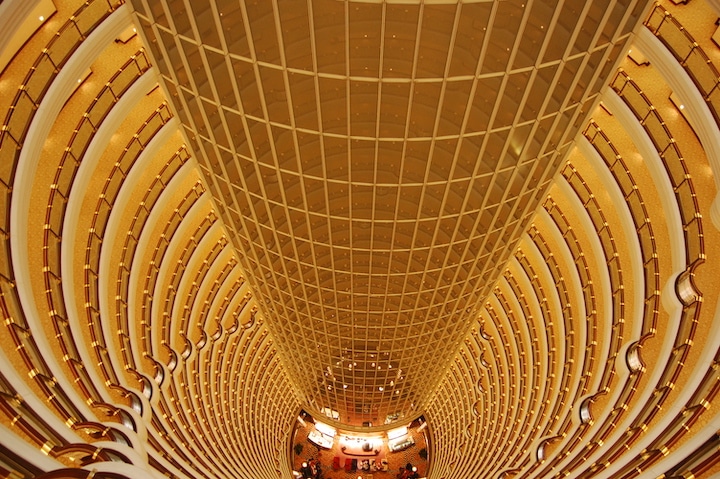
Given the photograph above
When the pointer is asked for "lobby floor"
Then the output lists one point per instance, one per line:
(396, 460)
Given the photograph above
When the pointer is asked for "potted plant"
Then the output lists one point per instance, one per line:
(298, 448)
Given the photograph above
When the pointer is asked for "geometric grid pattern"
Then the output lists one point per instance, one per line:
(377, 162)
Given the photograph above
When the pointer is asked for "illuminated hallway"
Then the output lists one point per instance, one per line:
(498, 217)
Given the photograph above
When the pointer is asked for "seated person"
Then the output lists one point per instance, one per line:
(306, 471)
(406, 472)
(314, 468)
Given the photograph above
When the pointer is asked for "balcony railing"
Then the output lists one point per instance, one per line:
(674, 163)
(688, 54)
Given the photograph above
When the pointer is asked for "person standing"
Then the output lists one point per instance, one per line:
(315, 468)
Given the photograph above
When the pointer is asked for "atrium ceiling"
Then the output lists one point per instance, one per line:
(377, 162)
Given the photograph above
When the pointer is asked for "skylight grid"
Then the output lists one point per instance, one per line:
(376, 161)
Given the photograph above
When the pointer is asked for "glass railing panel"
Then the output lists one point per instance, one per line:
(614, 270)
(124, 79)
(92, 15)
(651, 276)
(81, 139)
(10, 301)
(65, 175)
(64, 44)
(8, 154)
(22, 113)
(55, 223)
(706, 391)
(702, 72)
(5, 195)
(123, 283)
(695, 240)
(33, 358)
(66, 340)
(620, 81)
(647, 244)
(143, 213)
(608, 245)
(714, 99)
(142, 62)
(103, 104)
(52, 256)
(623, 180)
(605, 150)
(133, 149)
(674, 165)
(92, 255)
(5, 262)
(687, 202)
(37, 83)
(656, 19)
(91, 289)
(108, 359)
(149, 130)
(634, 99)
(636, 209)
(671, 34)
(688, 326)
(111, 191)
(656, 129)
(62, 403)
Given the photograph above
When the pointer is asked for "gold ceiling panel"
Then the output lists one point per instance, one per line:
(376, 163)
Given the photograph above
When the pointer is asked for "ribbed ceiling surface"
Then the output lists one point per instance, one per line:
(377, 163)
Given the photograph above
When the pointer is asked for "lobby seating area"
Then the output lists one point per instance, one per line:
(346, 460)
